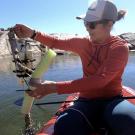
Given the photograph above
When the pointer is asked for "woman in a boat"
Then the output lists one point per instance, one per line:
(104, 58)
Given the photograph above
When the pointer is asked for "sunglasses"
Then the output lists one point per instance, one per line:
(92, 25)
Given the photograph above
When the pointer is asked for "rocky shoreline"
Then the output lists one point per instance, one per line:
(5, 50)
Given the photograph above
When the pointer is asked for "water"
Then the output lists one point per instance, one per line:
(66, 67)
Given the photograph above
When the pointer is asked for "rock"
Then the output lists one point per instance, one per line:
(5, 49)
(130, 38)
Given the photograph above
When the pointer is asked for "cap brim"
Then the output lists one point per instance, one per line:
(81, 17)
(88, 17)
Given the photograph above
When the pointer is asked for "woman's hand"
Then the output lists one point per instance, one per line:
(23, 31)
(42, 89)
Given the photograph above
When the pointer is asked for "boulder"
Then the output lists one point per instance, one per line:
(130, 38)
(5, 49)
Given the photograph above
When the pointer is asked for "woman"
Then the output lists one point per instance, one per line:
(104, 58)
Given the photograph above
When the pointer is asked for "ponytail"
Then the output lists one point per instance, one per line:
(121, 14)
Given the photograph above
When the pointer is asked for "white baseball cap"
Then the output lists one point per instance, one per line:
(100, 10)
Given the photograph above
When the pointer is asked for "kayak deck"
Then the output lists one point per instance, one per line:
(48, 127)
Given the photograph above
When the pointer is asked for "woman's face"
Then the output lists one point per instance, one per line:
(98, 31)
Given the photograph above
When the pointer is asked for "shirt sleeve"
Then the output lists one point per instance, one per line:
(74, 43)
(114, 64)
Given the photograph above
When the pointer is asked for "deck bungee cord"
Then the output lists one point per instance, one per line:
(25, 71)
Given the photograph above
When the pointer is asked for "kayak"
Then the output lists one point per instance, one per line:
(48, 127)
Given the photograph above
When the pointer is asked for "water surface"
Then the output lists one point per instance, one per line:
(66, 67)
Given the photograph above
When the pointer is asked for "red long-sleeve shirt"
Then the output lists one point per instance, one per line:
(103, 65)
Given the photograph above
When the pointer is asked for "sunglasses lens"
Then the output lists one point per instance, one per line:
(91, 25)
